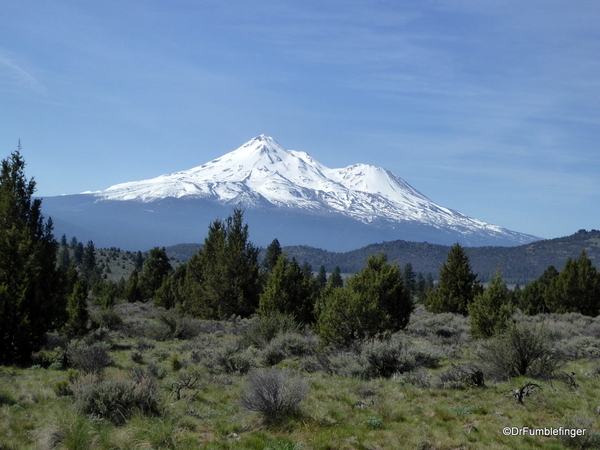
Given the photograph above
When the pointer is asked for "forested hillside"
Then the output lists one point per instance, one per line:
(519, 265)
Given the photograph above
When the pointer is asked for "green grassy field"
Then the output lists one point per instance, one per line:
(189, 376)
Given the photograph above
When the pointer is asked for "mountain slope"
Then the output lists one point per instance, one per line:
(287, 191)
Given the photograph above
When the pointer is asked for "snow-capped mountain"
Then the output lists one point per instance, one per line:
(286, 193)
(261, 171)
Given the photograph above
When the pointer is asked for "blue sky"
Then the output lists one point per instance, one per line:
(488, 107)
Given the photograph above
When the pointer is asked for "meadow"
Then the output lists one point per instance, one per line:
(146, 378)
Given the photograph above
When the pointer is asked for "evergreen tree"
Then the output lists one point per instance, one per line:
(78, 253)
(373, 303)
(576, 288)
(32, 301)
(409, 279)
(341, 315)
(155, 269)
(457, 286)
(77, 310)
(271, 256)
(107, 292)
(335, 279)
(535, 293)
(64, 259)
(381, 283)
(321, 278)
(223, 276)
(138, 261)
(288, 290)
(133, 288)
(491, 311)
(167, 294)
(89, 270)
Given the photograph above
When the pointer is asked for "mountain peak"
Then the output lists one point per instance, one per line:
(262, 173)
(262, 142)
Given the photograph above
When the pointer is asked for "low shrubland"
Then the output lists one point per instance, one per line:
(156, 380)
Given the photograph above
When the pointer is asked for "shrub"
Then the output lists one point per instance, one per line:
(176, 363)
(149, 371)
(71, 431)
(425, 358)
(275, 394)
(287, 345)
(137, 357)
(522, 350)
(6, 398)
(117, 399)
(582, 347)
(419, 378)
(47, 358)
(463, 374)
(232, 359)
(106, 318)
(273, 354)
(145, 344)
(374, 423)
(284, 445)
(386, 358)
(89, 358)
(424, 323)
(344, 364)
(172, 326)
(591, 438)
(63, 389)
(263, 329)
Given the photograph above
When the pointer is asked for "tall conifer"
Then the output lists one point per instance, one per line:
(31, 298)
(457, 286)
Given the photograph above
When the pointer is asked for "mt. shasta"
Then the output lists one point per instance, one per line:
(286, 194)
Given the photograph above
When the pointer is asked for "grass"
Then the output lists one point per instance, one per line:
(338, 413)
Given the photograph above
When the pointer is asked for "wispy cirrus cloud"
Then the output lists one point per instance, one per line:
(15, 77)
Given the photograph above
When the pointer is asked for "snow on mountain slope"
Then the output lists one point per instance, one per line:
(261, 172)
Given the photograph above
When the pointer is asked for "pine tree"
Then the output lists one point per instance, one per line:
(223, 276)
(321, 277)
(138, 261)
(457, 286)
(491, 311)
(77, 311)
(335, 279)
(409, 279)
(32, 301)
(64, 259)
(89, 271)
(271, 256)
(78, 253)
(288, 290)
(133, 288)
(155, 269)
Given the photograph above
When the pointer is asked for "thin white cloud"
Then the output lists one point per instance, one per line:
(19, 76)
